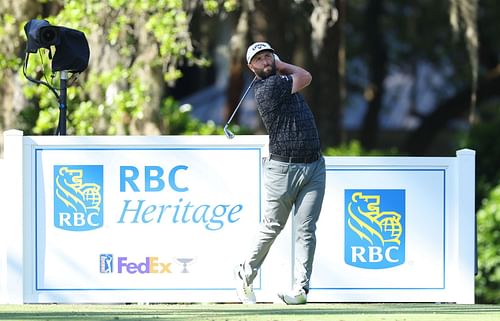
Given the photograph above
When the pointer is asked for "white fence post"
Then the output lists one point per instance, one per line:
(12, 216)
(466, 224)
(3, 254)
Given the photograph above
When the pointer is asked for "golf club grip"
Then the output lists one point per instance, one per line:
(241, 100)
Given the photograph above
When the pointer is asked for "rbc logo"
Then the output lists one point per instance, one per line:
(78, 192)
(374, 228)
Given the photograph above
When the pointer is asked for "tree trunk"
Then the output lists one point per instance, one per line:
(237, 65)
(271, 23)
(377, 61)
(12, 101)
(327, 90)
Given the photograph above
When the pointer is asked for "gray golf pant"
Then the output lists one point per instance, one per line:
(300, 187)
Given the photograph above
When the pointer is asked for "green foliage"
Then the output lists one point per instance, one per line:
(39, 97)
(178, 120)
(488, 243)
(487, 200)
(354, 148)
(487, 149)
(145, 39)
(8, 61)
(212, 7)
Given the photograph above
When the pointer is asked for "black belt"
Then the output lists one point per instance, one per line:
(294, 159)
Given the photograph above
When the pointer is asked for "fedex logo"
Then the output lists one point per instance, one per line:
(149, 265)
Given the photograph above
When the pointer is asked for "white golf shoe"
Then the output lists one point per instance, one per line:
(294, 297)
(243, 289)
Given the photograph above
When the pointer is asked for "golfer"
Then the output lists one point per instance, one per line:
(294, 173)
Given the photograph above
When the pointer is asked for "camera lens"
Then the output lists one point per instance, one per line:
(49, 36)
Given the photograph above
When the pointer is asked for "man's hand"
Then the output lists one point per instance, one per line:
(301, 77)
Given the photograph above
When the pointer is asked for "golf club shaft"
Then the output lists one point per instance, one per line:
(241, 100)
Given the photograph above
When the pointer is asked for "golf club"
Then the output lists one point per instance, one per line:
(227, 132)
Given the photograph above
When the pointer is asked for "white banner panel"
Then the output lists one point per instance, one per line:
(143, 218)
(381, 229)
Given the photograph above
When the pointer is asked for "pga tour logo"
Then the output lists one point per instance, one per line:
(106, 263)
(374, 228)
(78, 194)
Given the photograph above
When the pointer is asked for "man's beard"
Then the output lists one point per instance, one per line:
(264, 74)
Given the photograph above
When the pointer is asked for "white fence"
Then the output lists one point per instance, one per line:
(165, 219)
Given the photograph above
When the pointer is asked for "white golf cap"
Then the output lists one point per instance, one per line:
(257, 47)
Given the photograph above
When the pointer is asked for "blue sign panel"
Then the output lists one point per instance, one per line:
(374, 228)
(78, 195)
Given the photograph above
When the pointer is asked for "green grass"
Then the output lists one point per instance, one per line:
(258, 312)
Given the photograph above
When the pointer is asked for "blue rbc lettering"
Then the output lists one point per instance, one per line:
(154, 180)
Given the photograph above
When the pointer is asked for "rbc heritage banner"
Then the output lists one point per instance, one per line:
(117, 219)
(139, 219)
